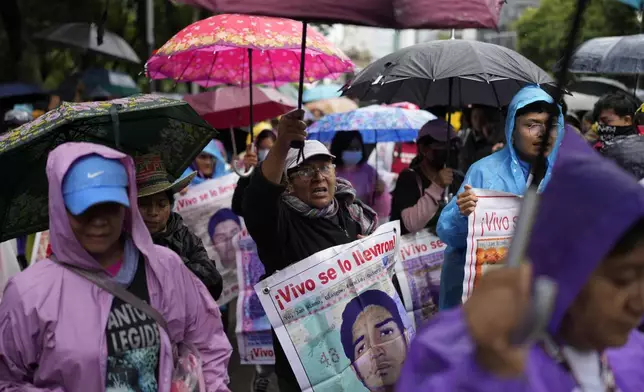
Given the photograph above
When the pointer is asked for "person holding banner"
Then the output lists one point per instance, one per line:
(156, 199)
(507, 170)
(597, 260)
(61, 326)
(295, 207)
(419, 190)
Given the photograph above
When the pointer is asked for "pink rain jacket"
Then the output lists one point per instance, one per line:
(52, 322)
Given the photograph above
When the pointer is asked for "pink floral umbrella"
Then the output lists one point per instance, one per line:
(228, 49)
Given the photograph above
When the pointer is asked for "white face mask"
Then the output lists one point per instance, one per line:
(261, 154)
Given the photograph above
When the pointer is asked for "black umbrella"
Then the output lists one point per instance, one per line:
(475, 72)
(83, 36)
(610, 55)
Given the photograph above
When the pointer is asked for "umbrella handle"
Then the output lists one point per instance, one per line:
(240, 173)
(233, 162)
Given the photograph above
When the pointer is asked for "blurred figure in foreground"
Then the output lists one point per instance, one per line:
(591, 342)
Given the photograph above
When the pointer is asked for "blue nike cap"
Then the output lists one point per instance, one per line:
(93, 180)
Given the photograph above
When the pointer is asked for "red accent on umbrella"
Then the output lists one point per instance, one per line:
(399, 14)
(453, 14)
(405, 105)
(359, 12)
(229, 106)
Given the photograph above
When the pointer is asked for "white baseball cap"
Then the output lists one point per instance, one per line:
(312, 148)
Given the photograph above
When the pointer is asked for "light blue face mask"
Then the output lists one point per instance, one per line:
(351, 158)
(261, 154)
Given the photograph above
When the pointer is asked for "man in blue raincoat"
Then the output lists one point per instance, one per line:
(507, 170)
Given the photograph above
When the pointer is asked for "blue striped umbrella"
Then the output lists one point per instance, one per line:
(320, 92)
(375, 123)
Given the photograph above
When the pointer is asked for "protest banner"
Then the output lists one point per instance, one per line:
(418, 270)
(254, 337)
(205, 209)
(338, 316)
(489, 233)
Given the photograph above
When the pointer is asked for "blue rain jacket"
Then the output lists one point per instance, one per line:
(502, 171)
(221, 167)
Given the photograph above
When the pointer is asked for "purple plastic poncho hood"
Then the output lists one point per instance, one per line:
(442, 356)
(53, 320)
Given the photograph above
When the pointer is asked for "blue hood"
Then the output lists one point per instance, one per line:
(526, 96)
(501, 171)
(221, 166)
(611, 204)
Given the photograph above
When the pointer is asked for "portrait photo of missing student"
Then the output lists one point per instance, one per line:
(374, 340)
(222, 228)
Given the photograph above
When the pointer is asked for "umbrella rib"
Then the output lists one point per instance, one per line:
(270, 65)
(496, 95)
(329, 72)
(607, 53)
(476, 54)
(214, 61)
(397, 91)
(299, 62)
(187, 66)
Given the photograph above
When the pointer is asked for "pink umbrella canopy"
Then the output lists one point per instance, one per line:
(229, 106)
(396, 14)
(220, 49)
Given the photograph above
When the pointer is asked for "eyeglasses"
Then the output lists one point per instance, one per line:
(538, 129)
(307, 173)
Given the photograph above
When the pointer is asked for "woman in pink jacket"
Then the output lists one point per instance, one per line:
(62, 333)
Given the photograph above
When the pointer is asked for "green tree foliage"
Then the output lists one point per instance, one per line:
(39, 62)
(542, 32)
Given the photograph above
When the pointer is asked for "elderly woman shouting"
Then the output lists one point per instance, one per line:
(297, 207)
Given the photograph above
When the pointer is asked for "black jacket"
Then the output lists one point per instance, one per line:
(189, 247)
(284, 237)
(238, 196)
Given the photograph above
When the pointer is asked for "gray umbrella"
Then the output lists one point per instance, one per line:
(478, 73)
(83, 36)
(610, 55)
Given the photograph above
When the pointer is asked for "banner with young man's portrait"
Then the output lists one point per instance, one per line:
(338, 315)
